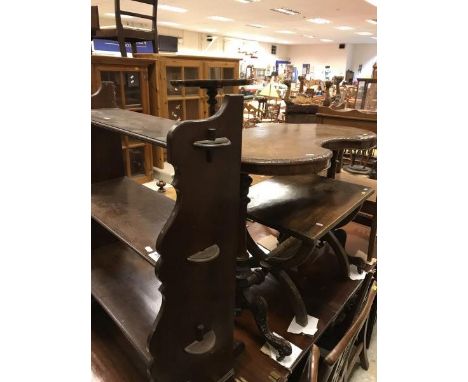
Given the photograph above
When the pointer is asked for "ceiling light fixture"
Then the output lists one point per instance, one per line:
(286, 32)
(326, 40)
(308, 36)
(170, 8)
(248, 1)
(364, 33)
(285, 11)
(220, 18)
(372, 21)
(373, 2)
(255, 26)
(375, 38)
(344, 28)
(318, 20)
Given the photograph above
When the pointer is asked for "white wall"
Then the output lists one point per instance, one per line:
(365, 55)
(195, 43)
(319, 56)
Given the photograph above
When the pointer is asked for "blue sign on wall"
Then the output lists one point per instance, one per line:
(113, 46)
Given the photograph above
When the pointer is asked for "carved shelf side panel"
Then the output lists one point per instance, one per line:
(193, 333)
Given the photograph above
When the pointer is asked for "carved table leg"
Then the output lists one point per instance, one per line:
(212, 92)
(294, 296)
(340, 252)
(245, 278)
(259, 309)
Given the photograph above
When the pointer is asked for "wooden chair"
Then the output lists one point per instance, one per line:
(338, 363)
(94, 20)
(132, 35)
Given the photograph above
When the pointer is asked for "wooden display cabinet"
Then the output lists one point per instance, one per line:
(184, 103)
(222, 70)
(130, 76)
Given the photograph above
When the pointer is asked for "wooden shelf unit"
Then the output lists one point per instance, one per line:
(177, 311)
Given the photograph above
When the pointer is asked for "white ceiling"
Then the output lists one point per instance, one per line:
(352, 13)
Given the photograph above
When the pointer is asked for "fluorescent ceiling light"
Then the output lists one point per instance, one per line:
(375, 38)
(286, 32)
(170, 8)
(248, 1)
(344, 28)
(318, 20)
(373, 2)
(364, 33)
(308, 36)
(285, 11)
(168, 23)
(372, 21)
(255, 26)
(326, 40)
(220, 18)
(121, 16)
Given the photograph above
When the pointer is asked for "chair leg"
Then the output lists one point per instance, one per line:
(134, 48)
(123, 50)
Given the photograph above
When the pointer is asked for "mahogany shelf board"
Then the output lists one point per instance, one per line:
(325, 294)
(290, 148)
(109, 362)
(145, 127)
(126, 287)
(305, 206)
(132, 212)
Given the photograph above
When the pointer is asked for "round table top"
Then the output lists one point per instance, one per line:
(292, 148)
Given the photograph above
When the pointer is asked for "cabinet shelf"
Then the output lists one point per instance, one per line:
(181, 98)
(126, 287)
(130, 211)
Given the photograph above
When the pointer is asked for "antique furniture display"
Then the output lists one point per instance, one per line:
(127, 218)
(130, 77)
(169, 297)
(123, 33)
(287, 149)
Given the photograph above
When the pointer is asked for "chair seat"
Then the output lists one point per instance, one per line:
(305, 206)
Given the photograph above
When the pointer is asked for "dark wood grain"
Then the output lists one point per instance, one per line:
(325, 293)
(145, 127)
(109, 361)
(132, 212)
(305, 206)
(199, 296)
(126, 287)
(288, 149)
